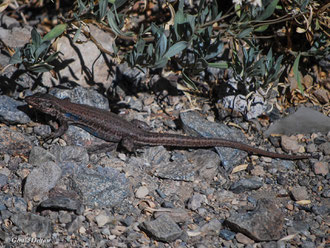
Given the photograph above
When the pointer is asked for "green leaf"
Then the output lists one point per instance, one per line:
(219, 65)
(160, 63)
(296, 73)
(42, 50)
(55, 32)
(76, 35)
(40, 67)
(261, 28)
(161, 45)
(112, 23)
(268, 11)
(103, 4)
(16, 58)
(36, 38)
(244, 33)
(188, 81)
(51, 57)
(176, 48)
(150, 50)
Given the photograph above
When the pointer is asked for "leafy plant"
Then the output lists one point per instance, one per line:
(34, 55)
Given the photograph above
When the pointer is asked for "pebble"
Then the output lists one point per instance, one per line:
(227, 235)
(141, 192)
(41, 180)
(196, 201)
(290, 144)
(252, 223)
(321, 168)
(102, 219)
(163, 228)
(245, 185)
(32, 223)
(241, 238)
(299, 193)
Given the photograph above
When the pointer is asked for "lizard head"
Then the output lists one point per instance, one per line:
(41, 102)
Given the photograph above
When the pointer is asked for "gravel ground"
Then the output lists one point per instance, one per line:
(64, 193)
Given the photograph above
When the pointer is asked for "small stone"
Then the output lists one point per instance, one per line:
(64, 217)
(290, 206)
(299, 193)
(162, 229)
(241, 238)
(226, 234)
(3, 180)
(325, 148)
(321, 168)
(196, 201)
(102, 219)
(118, 230)
(32, 223)
(307, 81)
(245, 185)
(290, 144)
(82, 230)
(258, 171)
(326, 193)
(265, 223)
(74, 225)
(311, 148)
(106, 231)
(322, 95)
(141, 192)
(214, 226)
(41, 180)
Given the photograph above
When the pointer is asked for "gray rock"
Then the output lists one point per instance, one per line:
(321, 168)
(64, 217)
(16, 37)
(325, 148)
(12, 142)
(95, 67)
(194, 124)
(245, 185)
(76, 154)
(196, 201)
(175, 171)
(179, 215)
(213, 226)
(3, 180)
(41, 180)
(75, 224)
(8, 22)
(38, 156)
(32, 223)
(61, 202)
(106, 187)
(299, 193)
(206, 163)
(265, 223)
(156, 155)
(241, 104)
(42, 130)
(321, 210)
(227, 235)
(304, 121)
(163, 229)
(9, 113)
(326, 193)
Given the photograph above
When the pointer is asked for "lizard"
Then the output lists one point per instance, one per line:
(112, 128)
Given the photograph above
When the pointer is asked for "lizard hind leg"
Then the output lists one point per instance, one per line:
(128, 144)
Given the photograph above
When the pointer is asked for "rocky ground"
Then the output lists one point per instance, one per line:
(59, 193)
(66, 193)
